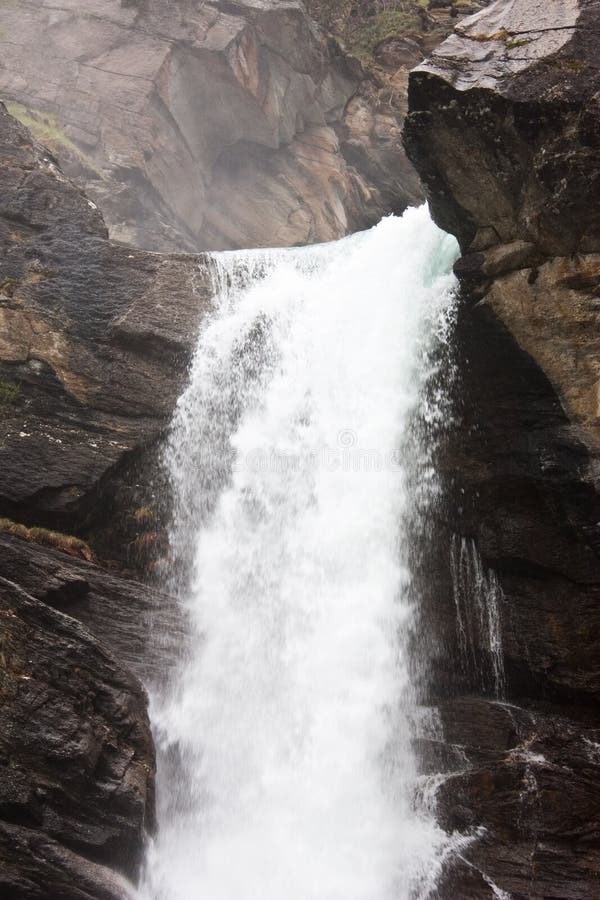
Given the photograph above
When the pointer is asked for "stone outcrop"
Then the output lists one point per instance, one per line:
(142, 626)
(504, 129)
(518, 85)
(94, 343)
(206, 125)
(76, 792)
(94, 339)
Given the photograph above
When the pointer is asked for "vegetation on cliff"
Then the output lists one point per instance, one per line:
(363, 25)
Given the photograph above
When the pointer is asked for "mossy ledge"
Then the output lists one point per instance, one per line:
(66, 543)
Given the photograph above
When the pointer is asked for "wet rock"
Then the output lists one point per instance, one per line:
(517, 84)
(536, 796)
(62, 873)
(142, 627)
(76, 792)
(503, 128)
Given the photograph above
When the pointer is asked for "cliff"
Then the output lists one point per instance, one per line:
(94, 339)
(504, 129)
(207, 125)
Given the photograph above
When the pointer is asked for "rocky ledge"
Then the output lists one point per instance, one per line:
(504, 129)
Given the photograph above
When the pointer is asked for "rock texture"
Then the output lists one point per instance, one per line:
(504, 129)
(206, 125)
(94, 342)
(76, 792)
(518, 85)
(141, 626)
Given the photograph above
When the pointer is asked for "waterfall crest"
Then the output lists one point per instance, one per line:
(285, 760)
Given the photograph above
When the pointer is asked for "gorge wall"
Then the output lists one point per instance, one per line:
(207, 125)
(95, 338)
(504, 129)
(90, 368)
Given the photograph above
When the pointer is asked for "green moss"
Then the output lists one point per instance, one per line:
(574, 65)
(8, 284)
(47, 130)
(44, 127)
(363, 40)
(362, 24)
(521, 43)
(9, 392)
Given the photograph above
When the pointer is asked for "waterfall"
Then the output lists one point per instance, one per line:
(477, 598)
(286, 766)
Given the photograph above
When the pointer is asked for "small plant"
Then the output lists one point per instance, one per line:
(574, 65)
(144, 515)
(9, 391)
(66, 543)
(8, 285)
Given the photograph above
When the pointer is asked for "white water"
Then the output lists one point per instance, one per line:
(286, 770)
(478, 597)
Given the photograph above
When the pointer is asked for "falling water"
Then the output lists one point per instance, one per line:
(477, 597)
(285, 760)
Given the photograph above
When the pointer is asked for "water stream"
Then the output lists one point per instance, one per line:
(286, 769)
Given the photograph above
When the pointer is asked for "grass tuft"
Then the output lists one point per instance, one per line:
(9, 392)
(66, 543)
(46, 129)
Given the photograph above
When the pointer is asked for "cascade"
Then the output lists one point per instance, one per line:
(477, 598)
(286, 765)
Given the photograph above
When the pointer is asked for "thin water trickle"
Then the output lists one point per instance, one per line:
(477, 598)
(286, 767)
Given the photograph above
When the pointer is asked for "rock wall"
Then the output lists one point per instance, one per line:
(77, 760)
(94, 340)
(504, 129)
(207, 125)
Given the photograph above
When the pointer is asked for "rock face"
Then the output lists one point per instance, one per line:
(141, 626)
(206, 125)
(94, 341)
(504, 128)
(518, 85)
(76, 793)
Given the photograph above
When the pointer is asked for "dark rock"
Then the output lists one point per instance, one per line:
(501, 128)
(141, 627)
(94, 344)
(76, 792)
(63, 873)
(536, 794)
(517, 84)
